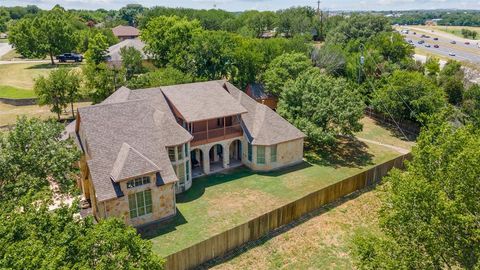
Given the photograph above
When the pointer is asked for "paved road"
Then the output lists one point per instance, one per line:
(462, 51)
(4, 48)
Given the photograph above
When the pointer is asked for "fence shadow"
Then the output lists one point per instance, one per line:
(232, 254)
(160, 227)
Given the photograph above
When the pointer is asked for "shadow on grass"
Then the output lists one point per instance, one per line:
(348, 152)
(56, 65)
(283, 229)
(160, 227)
(396, 132)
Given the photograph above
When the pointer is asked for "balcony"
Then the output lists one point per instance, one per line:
(217, 134)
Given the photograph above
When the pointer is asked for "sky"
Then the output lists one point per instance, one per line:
(240, 5)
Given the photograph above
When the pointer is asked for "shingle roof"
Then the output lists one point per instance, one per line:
(125, 31)
(114, 50)
(131, 163)
(127, 134)
(264, 125)
(202, 101)
(139, 124)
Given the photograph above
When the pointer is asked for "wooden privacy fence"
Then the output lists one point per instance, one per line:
(223, 242)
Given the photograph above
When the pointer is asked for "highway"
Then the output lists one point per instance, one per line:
(462, 51)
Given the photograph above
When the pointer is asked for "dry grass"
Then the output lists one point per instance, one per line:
(9, 113)
(373, 131)
(322, 242)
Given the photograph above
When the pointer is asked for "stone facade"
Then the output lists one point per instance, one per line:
(288, 153)
(163, 204)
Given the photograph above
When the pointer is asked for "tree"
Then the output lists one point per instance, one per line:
(130, 12)
(31, 155)
(168, 40)
(322, 106)
(284, 68)
(409, 95)
(360, 28)
(58, 89)
(451, 80)
(471, 103)
(160, 77)
(432, 66)
(331, 58)
(97, 49)
(430, 214)
(4, 18)
(392, 46)
(131, 61)
(101, 81)
(212, 53)
(49, 33)
(296, 21)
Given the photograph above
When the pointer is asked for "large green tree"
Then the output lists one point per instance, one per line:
(160, 77)
(430, 214)
(451, 79)
(131, 61)
(49, 33)
(409, 95)
(284, 68)
(32, 154)
(60, 88)
(322, 106)
(168, 40)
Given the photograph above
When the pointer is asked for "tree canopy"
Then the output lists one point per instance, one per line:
(322, 106)
(430, 215)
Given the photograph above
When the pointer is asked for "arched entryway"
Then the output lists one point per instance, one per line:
(216, 157)
(235, 150)
(196, 159)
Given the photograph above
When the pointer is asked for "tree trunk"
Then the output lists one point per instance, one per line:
(73, 112)
(51, 58)
(58, 116)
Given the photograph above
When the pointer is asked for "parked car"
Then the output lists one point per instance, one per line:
(436, 46)
(453, 42)
(69, 57)
(451, 53)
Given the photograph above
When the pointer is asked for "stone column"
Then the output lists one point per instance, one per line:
(226, 155)
(206, 161)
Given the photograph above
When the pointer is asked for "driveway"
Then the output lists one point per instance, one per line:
(4, 48)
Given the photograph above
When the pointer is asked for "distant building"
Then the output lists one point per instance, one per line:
(113, 56)
(257, 92)
(123, 32)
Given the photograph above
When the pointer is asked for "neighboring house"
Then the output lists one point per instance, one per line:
(113, 55)
(141, 147)
(257, 92)
(123, 32)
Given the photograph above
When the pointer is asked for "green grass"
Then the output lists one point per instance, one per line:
(13, 92)
(219, 202)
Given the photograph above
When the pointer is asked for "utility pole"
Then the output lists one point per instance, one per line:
(362, 62)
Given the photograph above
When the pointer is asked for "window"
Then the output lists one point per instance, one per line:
(181, 173)
(187, 164)
(140, 203)
(186, 150)
(138, 182)
(273, 153)
(180, 152)
(260, 154)
(250, 150)
(171, 153)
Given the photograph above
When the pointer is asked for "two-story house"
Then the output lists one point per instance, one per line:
(142, 147)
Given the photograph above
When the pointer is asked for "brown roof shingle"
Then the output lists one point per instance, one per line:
(125, 31)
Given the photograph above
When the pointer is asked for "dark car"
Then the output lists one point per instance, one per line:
(436, 46)
(421, 42)
(453, 42)
(70, 57)
(436, 38)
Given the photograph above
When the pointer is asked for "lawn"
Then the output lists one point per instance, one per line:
(9, 113)
(22, 75)
(219, 202)
(321, 242)
(13, 92)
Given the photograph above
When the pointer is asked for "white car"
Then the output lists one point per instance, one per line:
(451, 53)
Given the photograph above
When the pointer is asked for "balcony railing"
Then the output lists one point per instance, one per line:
(215, 135)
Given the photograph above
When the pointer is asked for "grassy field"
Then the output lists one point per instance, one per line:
(11, 55)
(457, 30)
(321, 242)
(22, 75)
(9, 113)
(13, 92)
(219, 202)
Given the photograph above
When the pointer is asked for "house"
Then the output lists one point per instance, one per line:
(123, 32)
(257, 92)
(142, 147)
(113, 56)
